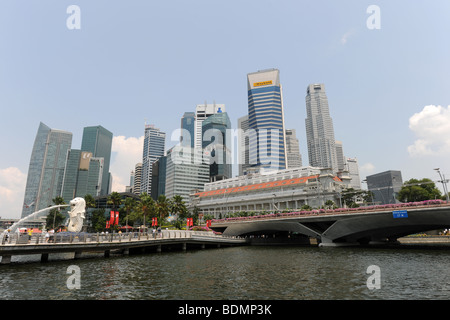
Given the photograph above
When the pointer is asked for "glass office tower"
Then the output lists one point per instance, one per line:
(216, 145)
(154, 147)
(266, 121)
(188, 130)
(82, 175)
(46, 169)
(98, 141)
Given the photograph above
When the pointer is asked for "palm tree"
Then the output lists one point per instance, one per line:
(147, 205)
(178, 207)
(162, 207)
(90, 203)
(129, 204)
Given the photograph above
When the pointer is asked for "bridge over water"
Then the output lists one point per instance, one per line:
(370, 225)
(125, 243)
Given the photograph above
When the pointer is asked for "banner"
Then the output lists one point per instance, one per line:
(208, 223)
(190, 222)
(154, 222)
(111, 218)
(107, 224)
(117, 218)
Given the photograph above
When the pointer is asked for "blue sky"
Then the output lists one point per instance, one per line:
(150, 61)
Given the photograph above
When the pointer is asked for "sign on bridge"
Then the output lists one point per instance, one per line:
(400, 214)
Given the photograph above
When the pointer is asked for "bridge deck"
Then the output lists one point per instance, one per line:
(85, 242)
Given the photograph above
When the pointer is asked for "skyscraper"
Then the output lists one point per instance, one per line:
(294, 158)
(98, 141)
(216, 145)
(137, 178)
(82, 175)
(46, 170)
(188, 129)
(243, 142)
(202, 112)
(319, 129)
(154, 147)
(341, 161)
(353, 170)
(186, 173)
(266, 121)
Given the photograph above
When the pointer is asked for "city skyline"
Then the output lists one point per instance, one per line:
(387, 87)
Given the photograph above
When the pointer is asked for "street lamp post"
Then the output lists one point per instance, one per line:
(444, 184)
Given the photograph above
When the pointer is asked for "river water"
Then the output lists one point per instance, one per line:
(236, 273)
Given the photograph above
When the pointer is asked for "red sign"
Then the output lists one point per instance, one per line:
(154, 222)
(190, 222)
(117, 218)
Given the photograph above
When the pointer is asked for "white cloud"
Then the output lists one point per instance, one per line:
(366, 169)
(12, 190)
(432, 129)
(126, 152)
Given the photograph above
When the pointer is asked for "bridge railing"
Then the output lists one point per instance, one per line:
(83, 237)
(427, 203)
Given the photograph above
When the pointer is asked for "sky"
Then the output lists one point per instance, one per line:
(122, 64)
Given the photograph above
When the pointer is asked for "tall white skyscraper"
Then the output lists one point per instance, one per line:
(319, 129)
(353, 170)
(202, 112)
(294, 158)
(340, 156)
(154, 147)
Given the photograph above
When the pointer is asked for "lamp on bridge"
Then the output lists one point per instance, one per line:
(444, 183)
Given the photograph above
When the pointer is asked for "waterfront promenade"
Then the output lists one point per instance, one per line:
(124, 243)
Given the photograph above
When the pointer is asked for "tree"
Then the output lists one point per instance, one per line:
(179, 207)
(162, 207)
(146, 206)
(351, 197)
(90, 201)
(129, 204)
(418, 190)
(55, 217)
(98, 220)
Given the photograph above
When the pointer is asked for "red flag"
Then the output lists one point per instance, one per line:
(154, 222)
(208, 223)
(190, 222)
(107, 224)
(117, 218)
(111, 218)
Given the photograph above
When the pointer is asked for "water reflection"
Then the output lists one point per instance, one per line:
(286, 273)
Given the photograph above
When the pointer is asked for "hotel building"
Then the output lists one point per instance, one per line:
(288, 189)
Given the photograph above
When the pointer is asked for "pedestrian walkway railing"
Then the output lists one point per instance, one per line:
(83, 237)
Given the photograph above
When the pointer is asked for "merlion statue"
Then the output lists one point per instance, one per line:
(76, 214)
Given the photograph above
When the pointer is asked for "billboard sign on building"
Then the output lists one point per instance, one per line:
(85, 159)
